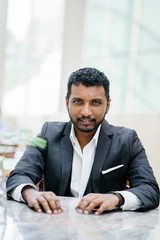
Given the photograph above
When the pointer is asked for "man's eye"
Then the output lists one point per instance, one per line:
(95, 102)
(77, 101)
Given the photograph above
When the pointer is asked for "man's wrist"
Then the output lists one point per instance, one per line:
(121, 198)
(26, 190)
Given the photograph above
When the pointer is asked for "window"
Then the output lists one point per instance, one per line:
(33, 57)
(123, 40)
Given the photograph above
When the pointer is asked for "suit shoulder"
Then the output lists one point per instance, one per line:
(122, 130)
(56, 128)
(55, 124)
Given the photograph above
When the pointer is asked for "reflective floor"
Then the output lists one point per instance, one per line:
(24, 223)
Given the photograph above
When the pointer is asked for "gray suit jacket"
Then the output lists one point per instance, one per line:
(119, 156)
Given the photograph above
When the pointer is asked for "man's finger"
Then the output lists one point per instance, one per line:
(102, 208)
(95, 203)
(85, 202)
(44, 203)
(34, 204)
(53, 202)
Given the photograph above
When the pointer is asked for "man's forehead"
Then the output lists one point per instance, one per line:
(92, 91)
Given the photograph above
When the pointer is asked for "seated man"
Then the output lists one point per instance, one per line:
(86, 157)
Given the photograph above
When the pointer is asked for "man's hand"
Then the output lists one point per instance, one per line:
(47, 201)
(93, 200)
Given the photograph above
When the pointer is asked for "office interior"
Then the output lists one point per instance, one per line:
(42, 42)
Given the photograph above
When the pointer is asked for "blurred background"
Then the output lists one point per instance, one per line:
(42, 42)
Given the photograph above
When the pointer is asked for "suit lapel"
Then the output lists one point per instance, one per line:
(67, 157)
(103, 146)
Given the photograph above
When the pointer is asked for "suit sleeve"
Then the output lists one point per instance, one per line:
(30, 167)
(140, 174)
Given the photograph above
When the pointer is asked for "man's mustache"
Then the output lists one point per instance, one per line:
(86, 118)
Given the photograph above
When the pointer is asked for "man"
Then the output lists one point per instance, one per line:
(86, 157)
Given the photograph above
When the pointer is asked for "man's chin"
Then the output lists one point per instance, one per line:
(86, 130)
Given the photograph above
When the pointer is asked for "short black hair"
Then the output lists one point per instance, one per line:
(88, 77)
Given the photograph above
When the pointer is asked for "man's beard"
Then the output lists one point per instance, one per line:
(96, 124)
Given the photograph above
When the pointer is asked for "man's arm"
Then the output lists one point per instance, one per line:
(30, 167)
(140, 174)
(143, 192)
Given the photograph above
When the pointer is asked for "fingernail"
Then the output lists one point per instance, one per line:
(96, 213)
(39, 210)
(80, 211)
(55, 211)
(85, 211)
(49, 211)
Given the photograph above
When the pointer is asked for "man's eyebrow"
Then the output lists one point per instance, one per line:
(97, 99)
(94, 99)
(75, 98)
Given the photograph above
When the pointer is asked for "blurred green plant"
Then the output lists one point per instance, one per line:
(24, 136)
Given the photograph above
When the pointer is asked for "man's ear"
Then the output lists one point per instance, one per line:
(66, 99)
(108, 105)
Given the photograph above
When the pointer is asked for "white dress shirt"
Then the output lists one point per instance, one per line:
(82, 163)
(81, 169)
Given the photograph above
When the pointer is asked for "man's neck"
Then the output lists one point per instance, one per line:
(84, 137)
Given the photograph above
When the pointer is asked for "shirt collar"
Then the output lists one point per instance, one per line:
(74, 139)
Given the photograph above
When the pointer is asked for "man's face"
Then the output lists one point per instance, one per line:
(87, 107)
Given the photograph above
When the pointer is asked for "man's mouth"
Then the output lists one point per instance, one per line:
(86, 121)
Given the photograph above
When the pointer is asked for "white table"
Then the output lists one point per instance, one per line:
(24, 223)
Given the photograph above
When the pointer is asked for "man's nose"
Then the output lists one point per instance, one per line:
(86, 110)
